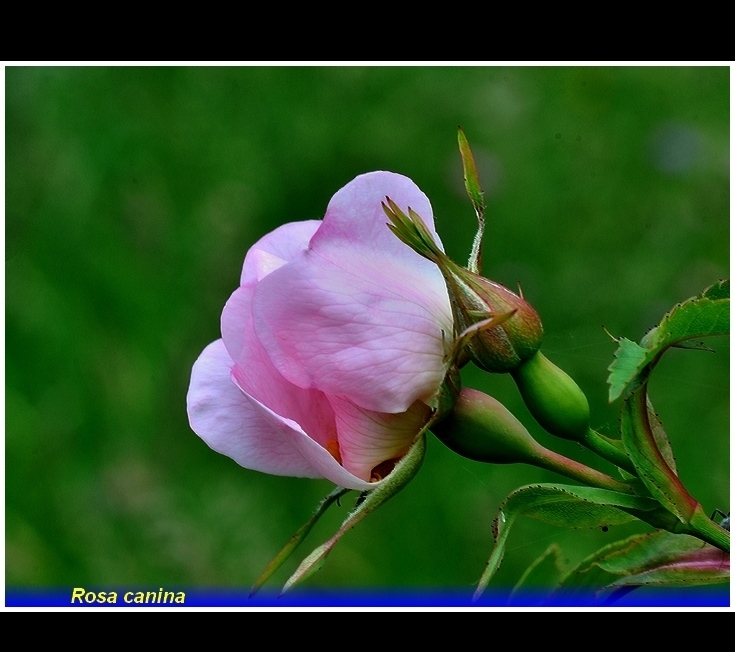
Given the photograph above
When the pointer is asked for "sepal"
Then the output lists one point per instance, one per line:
(475, 299)
(401, 475)
(297, 538)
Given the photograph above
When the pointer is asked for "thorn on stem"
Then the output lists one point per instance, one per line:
(610, 335)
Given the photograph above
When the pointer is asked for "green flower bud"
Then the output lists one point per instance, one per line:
(482, 429)
(515, 332)
(475, 298)
(553, 398)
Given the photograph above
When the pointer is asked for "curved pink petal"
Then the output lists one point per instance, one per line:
(242, 428)
(319, 459)
(227, 420)
(256, 376)
(277, 248)
(335, 337)
(371, 442)
(360, 439)
(359, 314)
(355, 214)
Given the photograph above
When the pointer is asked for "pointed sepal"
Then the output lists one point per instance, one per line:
(544, 572)
(297, 538)
(474, 191)
(401, 475)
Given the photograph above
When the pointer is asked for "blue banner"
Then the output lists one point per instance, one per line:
(168, 597)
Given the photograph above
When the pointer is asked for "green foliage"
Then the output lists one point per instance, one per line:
(630, 359)
(546, 571)
(645, 451)
(642, 433)
(297, 538)
(564, 506)
(477, 197)
(705, 315)
(661, 558)
(655, 559)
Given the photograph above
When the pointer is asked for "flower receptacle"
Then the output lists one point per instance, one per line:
(474, 298)
(553, 398)
(481, 428)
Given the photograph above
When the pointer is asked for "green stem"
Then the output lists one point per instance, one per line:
(607, 450)
(586, 475)
(704, 528)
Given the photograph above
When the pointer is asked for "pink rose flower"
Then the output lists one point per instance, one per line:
(331, 347)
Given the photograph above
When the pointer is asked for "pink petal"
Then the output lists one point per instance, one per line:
(239, 426)
(359, 314)
(324, 463)
(355, 214)
(256, 376)
(225, 419)
(277, 248)
(360, 439)
(371, 439)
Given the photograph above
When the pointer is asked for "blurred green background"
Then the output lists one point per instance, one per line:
(132, 195)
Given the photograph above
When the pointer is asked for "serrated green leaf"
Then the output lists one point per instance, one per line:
(703, 566)
(719, 290)
(700, 317)
(589, 575)
(629, 360)
(563, 506)
(576, 507)
(703, 316)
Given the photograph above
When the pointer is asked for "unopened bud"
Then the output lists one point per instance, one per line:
(480, 428)
(553, 398)
(514, 329)
(474, 298)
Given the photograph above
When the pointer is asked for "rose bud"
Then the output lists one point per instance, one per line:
(481, 428)
(503, 348)
(518, 332)
(553, 398)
